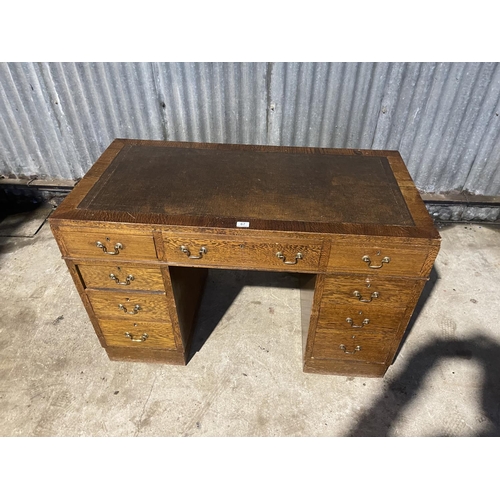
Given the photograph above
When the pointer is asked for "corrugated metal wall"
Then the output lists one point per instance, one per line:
(57, 118)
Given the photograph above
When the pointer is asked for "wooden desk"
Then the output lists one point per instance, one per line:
(140, 230)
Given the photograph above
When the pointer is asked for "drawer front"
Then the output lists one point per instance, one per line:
(359, 318)
(121, 277)
(368, 347)
(138, 306)
(109, 244)
(137, 334)
(296, 256)
(362, 258)
(368, 290)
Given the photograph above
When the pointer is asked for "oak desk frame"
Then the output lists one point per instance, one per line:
(360, 281)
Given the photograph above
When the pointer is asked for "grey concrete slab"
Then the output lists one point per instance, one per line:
(246, 378)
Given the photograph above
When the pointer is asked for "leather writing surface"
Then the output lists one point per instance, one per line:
(250, 185)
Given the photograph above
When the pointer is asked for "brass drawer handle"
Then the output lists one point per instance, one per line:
(351, 322)
(298, 256)
(357, 294)
(344, 348)
(366, 259)
(143, 338)
(201, 252)
(118, 247)
(136, 309)
(127, 281)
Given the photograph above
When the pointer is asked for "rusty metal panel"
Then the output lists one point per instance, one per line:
(57, 118)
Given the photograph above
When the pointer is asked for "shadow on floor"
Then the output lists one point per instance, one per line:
(16, 201)
(22, 214)
(379, 419)
(221, 289)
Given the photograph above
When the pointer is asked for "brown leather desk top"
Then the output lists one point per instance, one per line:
(267, 188)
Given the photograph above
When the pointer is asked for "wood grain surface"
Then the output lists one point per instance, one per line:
(98, 276)
(345, 368)
(393, 292)
(187, 287)
(159, 335)
(404, 261)
(381, 318)
(84, 243)
(152, 307)
(307, 291)
(373, 347)
(145, 355)
(242, 254)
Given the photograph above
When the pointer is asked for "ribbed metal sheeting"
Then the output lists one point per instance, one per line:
(57, 118)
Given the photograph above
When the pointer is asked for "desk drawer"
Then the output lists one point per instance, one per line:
(109, 244)
(138, 306)
(368, 347)
(121, 277)
(129, 333)
(215, 252)
(359, 318)
(381, 260)
(367, 289)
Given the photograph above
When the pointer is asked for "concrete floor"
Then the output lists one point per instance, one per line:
(247, 379)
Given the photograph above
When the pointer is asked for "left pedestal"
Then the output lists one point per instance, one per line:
(129, 294)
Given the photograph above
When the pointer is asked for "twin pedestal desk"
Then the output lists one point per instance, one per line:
(141, 229)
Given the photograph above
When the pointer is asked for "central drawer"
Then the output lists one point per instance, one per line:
(248, 254)
(140, 306)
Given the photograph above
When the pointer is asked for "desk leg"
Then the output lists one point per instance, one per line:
(186, 285)
(309, 314)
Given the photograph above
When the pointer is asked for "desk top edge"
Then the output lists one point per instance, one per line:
(256, 147)
(424, 227)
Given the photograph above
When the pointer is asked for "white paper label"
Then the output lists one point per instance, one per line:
(242, 224)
